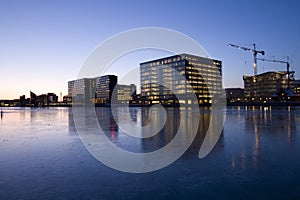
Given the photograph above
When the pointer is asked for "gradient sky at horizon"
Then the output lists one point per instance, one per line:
(44, 43)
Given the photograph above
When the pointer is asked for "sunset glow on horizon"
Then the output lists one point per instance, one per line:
(44, 44)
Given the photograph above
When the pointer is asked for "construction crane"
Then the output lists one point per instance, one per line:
(255, 52)
(280, 61)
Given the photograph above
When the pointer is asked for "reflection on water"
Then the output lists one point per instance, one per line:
(257, 155)
(141, 117)
(269, 130)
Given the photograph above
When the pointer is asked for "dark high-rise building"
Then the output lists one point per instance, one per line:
(261, 87)
(104, 87)
(33, 99)
(203, 78)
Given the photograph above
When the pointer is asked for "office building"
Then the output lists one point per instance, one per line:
(67, 99)
(83, 90)
(39, 100)
(70, 87)
(234, 95)
(260, 88)
(104, 88)
(24, 101)
(52, 98)
(157, 74)
(125, 93)
(297, 87)
(284, 95)
(33, 98)
(96, 90)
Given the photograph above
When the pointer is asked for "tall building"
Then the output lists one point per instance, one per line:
(33, 98)
(83, 90)
(194, 69)
(70, 87)
(104, 87)
(68, 98)
(125, 93)
(261, 87)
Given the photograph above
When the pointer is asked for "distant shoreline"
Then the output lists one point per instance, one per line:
(264, 104)
(204, 105)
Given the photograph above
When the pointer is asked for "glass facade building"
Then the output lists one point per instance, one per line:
(83, 90)
(166, 80)
(104, 87)
(70, 87)
(260, 88)
(92, 90)
(125, 93)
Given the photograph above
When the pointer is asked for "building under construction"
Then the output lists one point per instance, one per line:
(268, 86)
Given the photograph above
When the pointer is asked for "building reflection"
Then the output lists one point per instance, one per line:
(86, 117)
(72, 128)
(188, 126)
(168, 132)
(141, 117)
(269, 122)
(205, 120)
(289, 124)
(264, 119)
(107, 123)
(260, 128)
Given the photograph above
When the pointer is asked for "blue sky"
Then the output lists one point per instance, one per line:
(44, 43)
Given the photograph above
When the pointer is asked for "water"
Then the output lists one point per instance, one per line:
(257, 156)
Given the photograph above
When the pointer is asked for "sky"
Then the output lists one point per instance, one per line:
(43, 44)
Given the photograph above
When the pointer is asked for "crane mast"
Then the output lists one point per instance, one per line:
(255, 52)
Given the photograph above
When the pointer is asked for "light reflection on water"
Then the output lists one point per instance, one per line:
(257, 155)
(141, 116)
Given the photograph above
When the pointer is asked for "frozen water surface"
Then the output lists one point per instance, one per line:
(256, 157)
